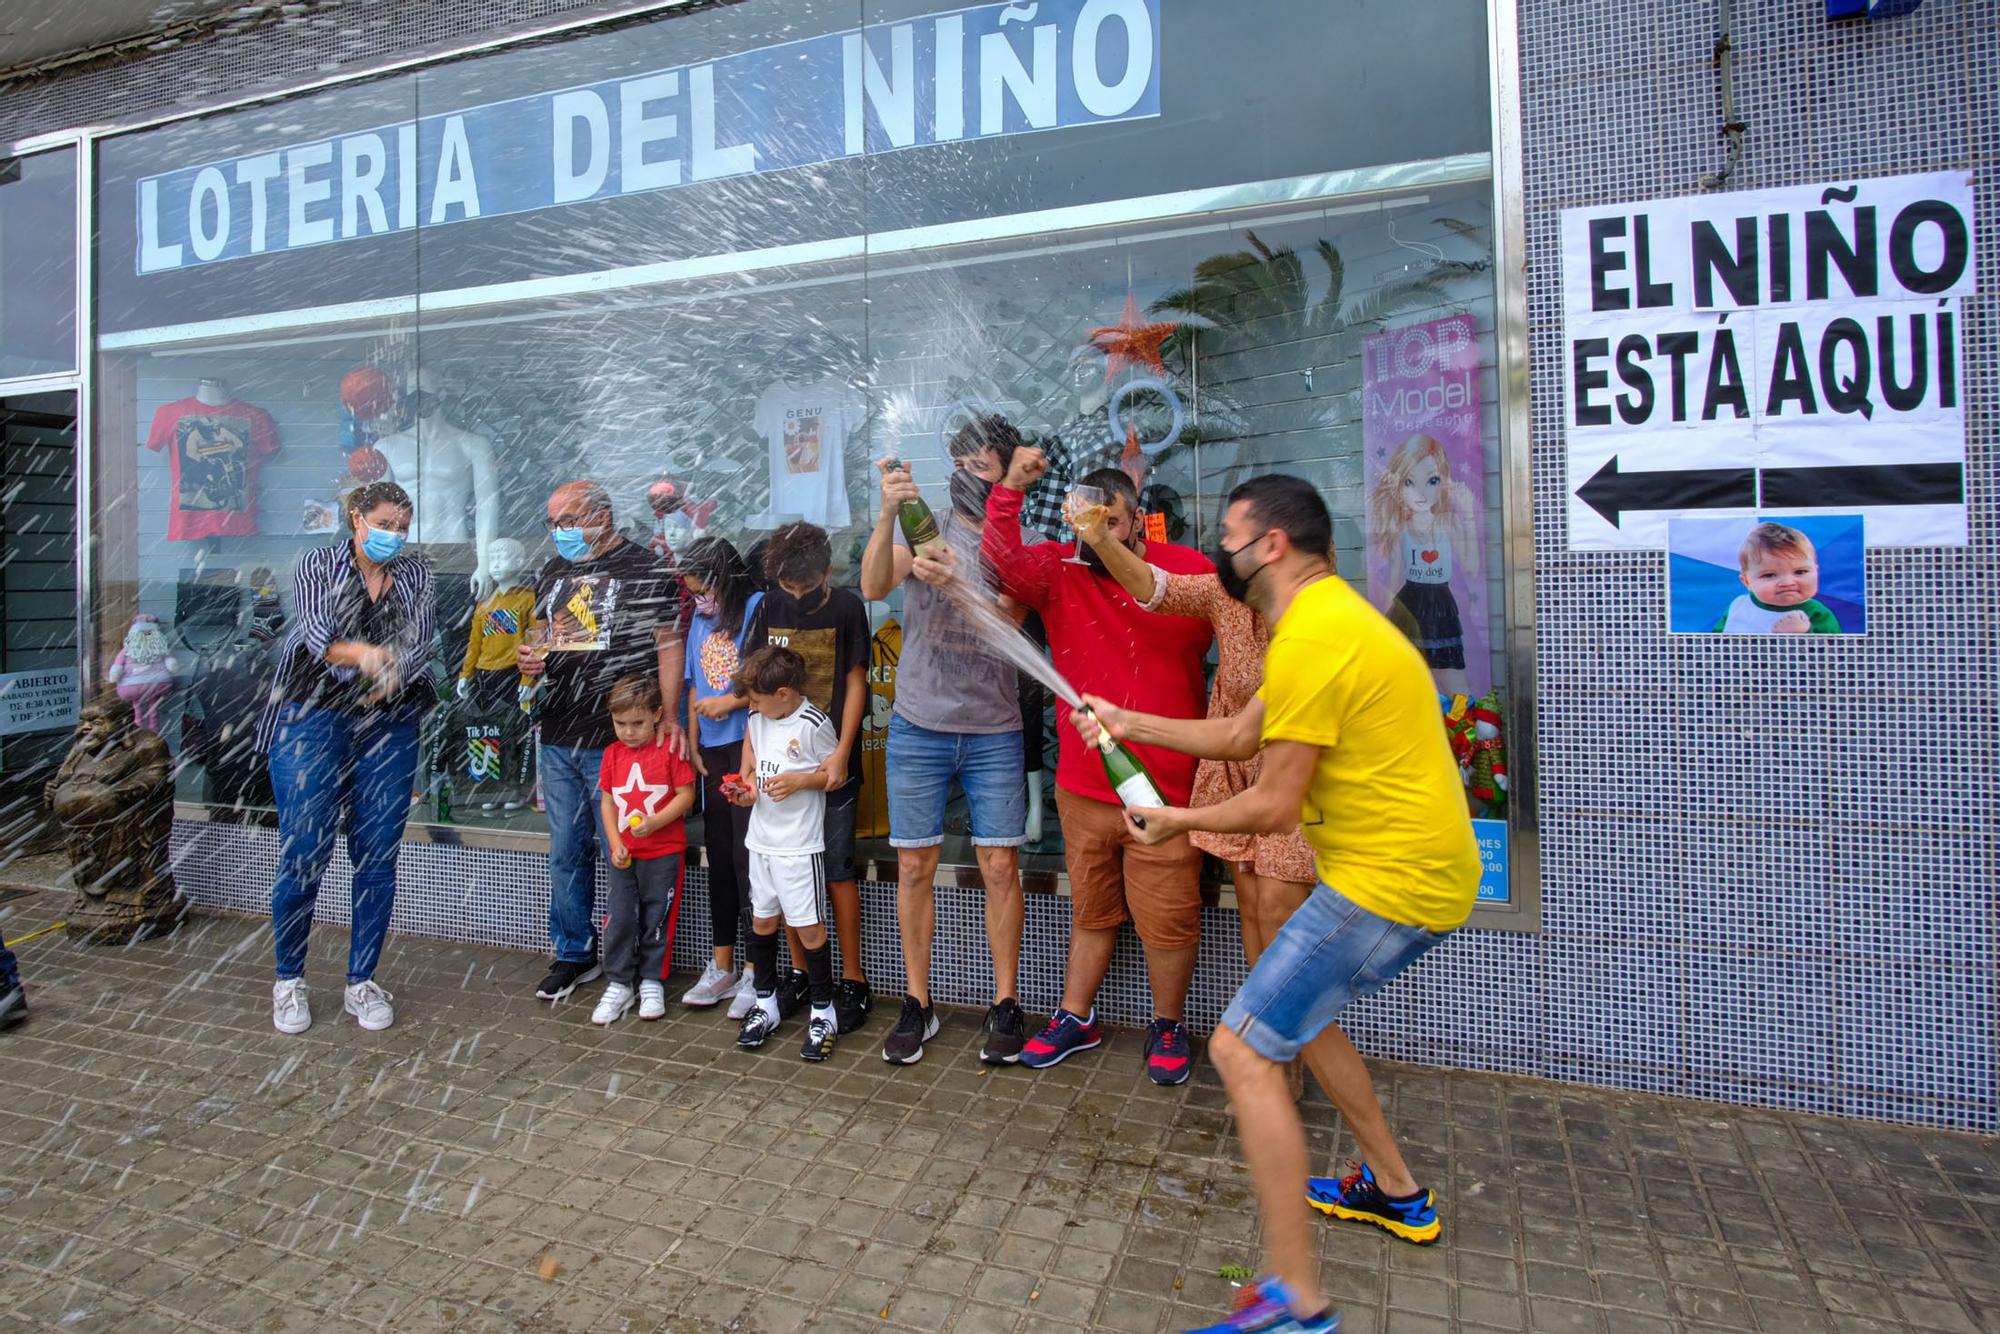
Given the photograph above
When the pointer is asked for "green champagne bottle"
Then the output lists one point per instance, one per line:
(919, 525)
(1129, 776)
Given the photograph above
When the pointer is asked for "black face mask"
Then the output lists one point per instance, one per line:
(1095, 561)
(969, 492)
(1235, 585)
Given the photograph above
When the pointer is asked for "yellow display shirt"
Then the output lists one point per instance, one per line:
(498, 626)
(1385, 810)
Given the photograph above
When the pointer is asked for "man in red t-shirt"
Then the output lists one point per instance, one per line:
(1107, 645)
(645, 788)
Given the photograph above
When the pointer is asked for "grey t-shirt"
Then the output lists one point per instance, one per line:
(947, 678)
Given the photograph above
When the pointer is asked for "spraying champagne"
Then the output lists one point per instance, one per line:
(1130, 778)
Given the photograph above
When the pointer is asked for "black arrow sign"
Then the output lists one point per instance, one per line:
(1875, 484)
(1613, 493)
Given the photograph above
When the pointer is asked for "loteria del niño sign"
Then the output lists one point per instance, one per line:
(974, 73)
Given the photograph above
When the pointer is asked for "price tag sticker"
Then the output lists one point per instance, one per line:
(1156, 527)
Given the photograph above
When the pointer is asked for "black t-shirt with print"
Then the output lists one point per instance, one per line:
(603, 613)
(832, 638)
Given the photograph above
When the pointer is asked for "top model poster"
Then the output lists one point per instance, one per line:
(1422, 468)
(1794, 349)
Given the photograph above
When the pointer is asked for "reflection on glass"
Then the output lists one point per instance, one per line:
(38, 263)
(1349, 339)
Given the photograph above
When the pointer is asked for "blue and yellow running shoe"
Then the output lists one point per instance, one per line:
(1359, 1200)
(1264, 1307)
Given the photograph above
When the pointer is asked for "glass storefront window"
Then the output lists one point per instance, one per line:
(621, 255)
(38, 263)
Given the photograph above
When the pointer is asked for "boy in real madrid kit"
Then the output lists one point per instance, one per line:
(787, 739)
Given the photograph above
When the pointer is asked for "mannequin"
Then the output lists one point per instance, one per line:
(496, 751)
(215, 393)
(447, 469)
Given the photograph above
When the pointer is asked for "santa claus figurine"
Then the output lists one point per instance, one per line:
(144, 670)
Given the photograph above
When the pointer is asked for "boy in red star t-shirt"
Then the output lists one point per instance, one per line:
(645, 789)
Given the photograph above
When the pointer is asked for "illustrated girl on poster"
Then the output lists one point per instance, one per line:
(1423, 523)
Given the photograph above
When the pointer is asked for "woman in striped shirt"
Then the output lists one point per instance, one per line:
(353, 684)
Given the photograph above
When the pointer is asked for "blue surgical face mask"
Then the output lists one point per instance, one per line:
(382, 546)
(571, 544)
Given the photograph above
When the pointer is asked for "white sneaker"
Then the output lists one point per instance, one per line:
(714, 986)
(652, 1000)
(744, 998)
(369, 1005)
(613, 1004)
(289, 1011)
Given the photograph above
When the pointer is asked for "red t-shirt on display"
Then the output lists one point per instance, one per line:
(215, 456)
(642, 782)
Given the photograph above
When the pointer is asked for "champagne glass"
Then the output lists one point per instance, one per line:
(1080, 501)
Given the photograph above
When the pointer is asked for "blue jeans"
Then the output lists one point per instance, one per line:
(576, 841)
(1328, 953)
(921, 765)
(10, 976)
(325, 764)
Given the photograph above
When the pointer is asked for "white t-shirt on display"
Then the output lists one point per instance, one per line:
(795, 826)
(806, 428)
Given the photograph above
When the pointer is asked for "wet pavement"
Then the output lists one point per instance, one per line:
(493, 1164)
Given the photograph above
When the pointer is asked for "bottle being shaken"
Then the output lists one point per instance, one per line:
(919, 525)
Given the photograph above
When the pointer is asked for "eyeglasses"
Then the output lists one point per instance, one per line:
(569, 520)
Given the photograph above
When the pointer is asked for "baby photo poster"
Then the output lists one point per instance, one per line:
(1770, 574)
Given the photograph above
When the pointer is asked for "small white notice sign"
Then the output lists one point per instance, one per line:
(37, 701)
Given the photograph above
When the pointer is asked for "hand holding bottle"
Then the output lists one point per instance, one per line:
(938, 568)
(898, 488)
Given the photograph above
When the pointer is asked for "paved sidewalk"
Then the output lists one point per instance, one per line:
(171, 1162)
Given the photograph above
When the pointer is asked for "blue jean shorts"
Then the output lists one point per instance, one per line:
(988, 766)
(1332, 951)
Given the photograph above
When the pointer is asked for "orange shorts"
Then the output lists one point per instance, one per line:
(1112, 878)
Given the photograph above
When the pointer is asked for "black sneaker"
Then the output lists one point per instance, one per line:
(916, 1025)
(822, 1031)
(851, 1003)
(1006, 1033)
(565, 976)
(793, 989)
(13, 1006)
(757, 1029)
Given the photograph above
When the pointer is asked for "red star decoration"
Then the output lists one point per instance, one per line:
(1130, 342)
(1132, 459)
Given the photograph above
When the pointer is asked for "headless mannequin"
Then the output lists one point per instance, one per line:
(214, 393)
(448, 470)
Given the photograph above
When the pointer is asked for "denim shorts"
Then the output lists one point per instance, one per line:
(1332, 951)
(988, 766)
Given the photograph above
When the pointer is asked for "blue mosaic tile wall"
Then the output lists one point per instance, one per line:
(1765, 879)
(1762, 881)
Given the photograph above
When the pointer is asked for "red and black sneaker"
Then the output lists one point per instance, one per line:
(1169, 1060)
(1064, 1035)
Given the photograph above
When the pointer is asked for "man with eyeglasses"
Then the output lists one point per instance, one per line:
(604, 607)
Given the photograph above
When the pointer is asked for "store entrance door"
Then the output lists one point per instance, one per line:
(40, 677)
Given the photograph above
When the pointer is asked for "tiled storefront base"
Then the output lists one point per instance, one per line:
(1668, 1018)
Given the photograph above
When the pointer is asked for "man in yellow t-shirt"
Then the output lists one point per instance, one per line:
(1353, 751)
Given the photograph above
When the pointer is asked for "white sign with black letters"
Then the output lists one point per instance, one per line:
(1794, 349)
(37, 701)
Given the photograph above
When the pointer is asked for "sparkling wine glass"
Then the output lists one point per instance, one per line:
(1080, 501)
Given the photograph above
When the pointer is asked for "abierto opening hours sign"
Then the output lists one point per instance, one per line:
(37, 701)
(1792, 350)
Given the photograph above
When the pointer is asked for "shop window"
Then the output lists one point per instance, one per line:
(1305, 289)
(38, 263)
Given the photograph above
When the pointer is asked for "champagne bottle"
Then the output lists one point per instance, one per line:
(1129, 776)
(919, 525)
